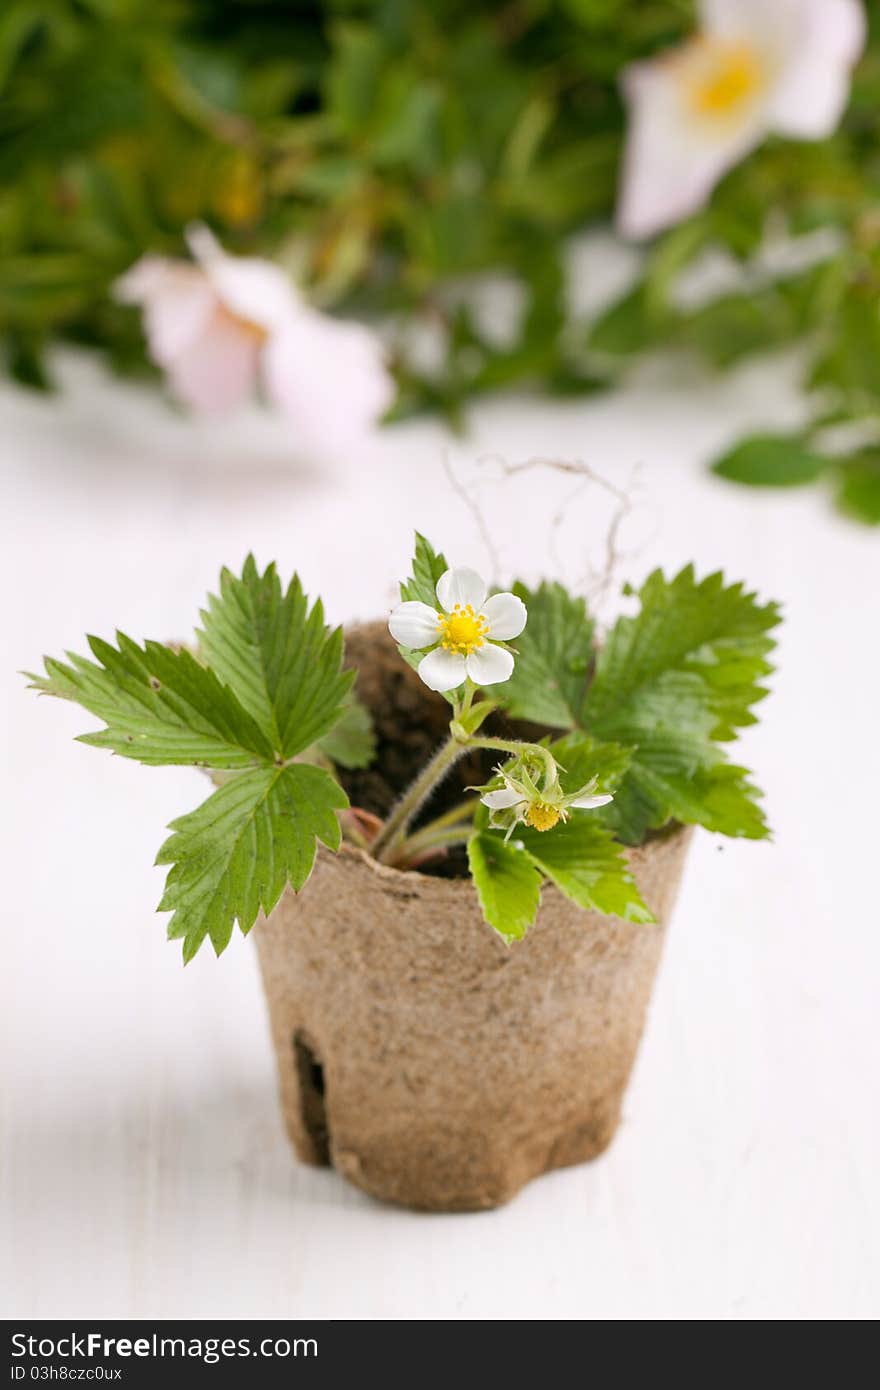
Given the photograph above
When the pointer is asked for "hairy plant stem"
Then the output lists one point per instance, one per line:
(446, 828)
(462, 708)
(354, 835)
(413, 850)
(462, 810)
(414, 797)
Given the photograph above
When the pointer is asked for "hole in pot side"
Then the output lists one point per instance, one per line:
(410, 723)
(313, 1109)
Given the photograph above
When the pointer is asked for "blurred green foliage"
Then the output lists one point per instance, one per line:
(387, 150)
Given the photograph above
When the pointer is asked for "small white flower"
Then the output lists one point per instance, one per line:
(520, 799)
(220, 325)
(755, 67)
(462, 631)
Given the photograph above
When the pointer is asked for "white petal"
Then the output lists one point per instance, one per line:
(673, 158)
(462, 586)
(329, 376)
(203, 244)
(217, 371)
(810, 44)
(177, 301)
(414, 624)
(754, 20)
(442, 670)
(253, 289)
(143, 278)
(489, 665)
(506, 614)
(504, 797)
(813, 87)
(811, 101)
(833, 27)
(588, 803)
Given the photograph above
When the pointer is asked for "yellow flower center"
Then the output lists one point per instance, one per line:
(226, 318)
(238, 194)
(540, 815)
(462, 630)
(725, 75)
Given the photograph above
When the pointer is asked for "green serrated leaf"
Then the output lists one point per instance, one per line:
(637, 808)
(352, 741)
(719, 796)
(725, 800)
(670, 682)
(555, 651)
(507, 883)
(427, 567)
(771, 460)
(585, 759)
(582, 859)
(160, 706)
(232, 857)
(277, 655)
(670, 731)
(716, 634)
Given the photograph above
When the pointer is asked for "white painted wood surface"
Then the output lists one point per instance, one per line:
(144, 1172)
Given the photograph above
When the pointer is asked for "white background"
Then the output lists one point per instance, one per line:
(144, 1171)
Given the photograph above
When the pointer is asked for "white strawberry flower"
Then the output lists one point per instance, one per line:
(755, 67)
(463, 631)
(520, 799)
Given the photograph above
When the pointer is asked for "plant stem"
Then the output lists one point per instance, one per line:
(416, 848)
(456, 822)
(415, 796)
(470, 691)
(515, 746)
(351, 833)
(463, 810)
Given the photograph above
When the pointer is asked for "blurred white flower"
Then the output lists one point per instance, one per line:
(221, 325)
(755, 67)
(462, 631)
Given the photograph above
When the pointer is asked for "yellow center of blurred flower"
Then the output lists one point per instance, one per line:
(462, 630)
(723, 76)
(228, 319)
(541, 816)
(238, 192)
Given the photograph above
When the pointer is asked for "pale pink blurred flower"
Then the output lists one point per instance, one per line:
(755, 67)
(221, 326)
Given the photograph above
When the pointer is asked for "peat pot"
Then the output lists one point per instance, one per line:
(430, 1063)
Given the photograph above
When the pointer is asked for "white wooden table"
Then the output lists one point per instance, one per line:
(144, 1172)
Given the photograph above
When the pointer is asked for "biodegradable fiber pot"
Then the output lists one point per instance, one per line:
(429, 1062)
